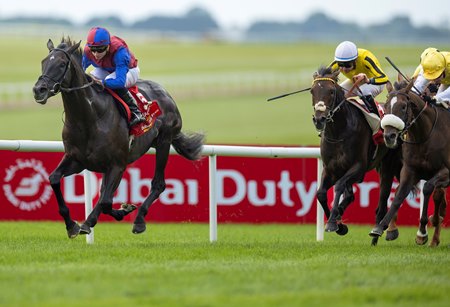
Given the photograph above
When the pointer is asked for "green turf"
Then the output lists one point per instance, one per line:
(250, 265)
(221, 88)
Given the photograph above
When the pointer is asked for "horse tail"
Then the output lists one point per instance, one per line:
(189, 145)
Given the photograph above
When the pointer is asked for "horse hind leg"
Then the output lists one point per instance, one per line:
(437, 218)
(158, 186)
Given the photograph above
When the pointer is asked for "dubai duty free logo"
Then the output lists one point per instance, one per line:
(25, 184)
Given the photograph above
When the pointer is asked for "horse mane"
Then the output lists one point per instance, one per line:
(67, 42)
(324, 71)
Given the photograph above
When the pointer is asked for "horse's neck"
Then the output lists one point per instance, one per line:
(78, 103)
(424, 120)
(345, 124)
(78, 107)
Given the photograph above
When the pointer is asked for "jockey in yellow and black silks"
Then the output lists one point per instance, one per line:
(360, 65)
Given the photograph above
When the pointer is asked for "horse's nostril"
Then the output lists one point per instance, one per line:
(39, 90)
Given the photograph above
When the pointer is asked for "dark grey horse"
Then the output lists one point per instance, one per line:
(96, 136)
(347, 152)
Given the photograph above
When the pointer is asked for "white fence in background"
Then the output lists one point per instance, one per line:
(212, 151)
(190, 86)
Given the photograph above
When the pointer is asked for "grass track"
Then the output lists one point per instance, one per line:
(174, 264)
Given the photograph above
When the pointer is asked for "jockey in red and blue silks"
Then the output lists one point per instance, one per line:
(114, 66)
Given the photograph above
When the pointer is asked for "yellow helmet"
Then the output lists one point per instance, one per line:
(429, 49)
(433, 63)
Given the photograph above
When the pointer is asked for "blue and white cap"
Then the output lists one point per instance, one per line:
(345, 52)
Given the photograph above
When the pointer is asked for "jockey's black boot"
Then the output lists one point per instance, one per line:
(370, 104)
(136, 115)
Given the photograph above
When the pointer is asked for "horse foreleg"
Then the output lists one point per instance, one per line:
(325, 185)
(110, 182)
(422, 232)
(406, 183)
(392, 232)
(344, 184)
(332, 223)
(386, 179)
(66, 167)
(158, 186)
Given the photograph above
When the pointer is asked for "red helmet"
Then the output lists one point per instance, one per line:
(98, 36)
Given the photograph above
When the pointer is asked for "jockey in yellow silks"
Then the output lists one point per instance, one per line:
(360, 65)
(434, 68)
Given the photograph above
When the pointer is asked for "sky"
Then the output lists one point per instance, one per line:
(237, 13)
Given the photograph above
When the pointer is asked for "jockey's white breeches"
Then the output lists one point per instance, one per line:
(366, 89)
(132, 75)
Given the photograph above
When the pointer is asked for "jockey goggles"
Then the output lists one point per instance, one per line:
(345, 64)
(98, 49)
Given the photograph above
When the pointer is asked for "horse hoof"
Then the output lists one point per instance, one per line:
(139, 228)
(422, 240)
(391, 235)
(434, 243)
(376, 232)
(73, 231)
(342, 229)
(128, 208)
(374, 241)
(85, 229)
(331, 227)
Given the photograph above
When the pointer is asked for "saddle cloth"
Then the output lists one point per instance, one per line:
(372, 119)
(150, 110)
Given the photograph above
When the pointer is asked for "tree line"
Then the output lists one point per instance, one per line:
(317, 27)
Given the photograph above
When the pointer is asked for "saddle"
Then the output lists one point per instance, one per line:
(372, 119)
(150, 110)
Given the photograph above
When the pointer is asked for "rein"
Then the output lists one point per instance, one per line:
(414, 120)
(58, 84)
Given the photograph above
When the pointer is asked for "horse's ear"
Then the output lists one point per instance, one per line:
(400, 78)
(336, 74)
(389, 87)
(410, 85)
(74, 47)
(50, 45)
(315, 75)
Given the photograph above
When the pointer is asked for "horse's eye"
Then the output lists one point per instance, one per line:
(62, 65)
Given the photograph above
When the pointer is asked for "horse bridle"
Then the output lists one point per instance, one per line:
(329, 117)
(408, 124)
(58, 84)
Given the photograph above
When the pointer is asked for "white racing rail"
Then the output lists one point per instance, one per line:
(212, 151)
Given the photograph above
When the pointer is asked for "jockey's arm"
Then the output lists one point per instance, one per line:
(122, 60)
(85, 62)
(444, 95)
(376, 75)
(420, 83)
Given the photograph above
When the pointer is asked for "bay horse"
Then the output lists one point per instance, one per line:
(347, 151)
(96, 136)
(423, 127)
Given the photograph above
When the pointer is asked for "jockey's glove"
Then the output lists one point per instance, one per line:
(429, 99)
